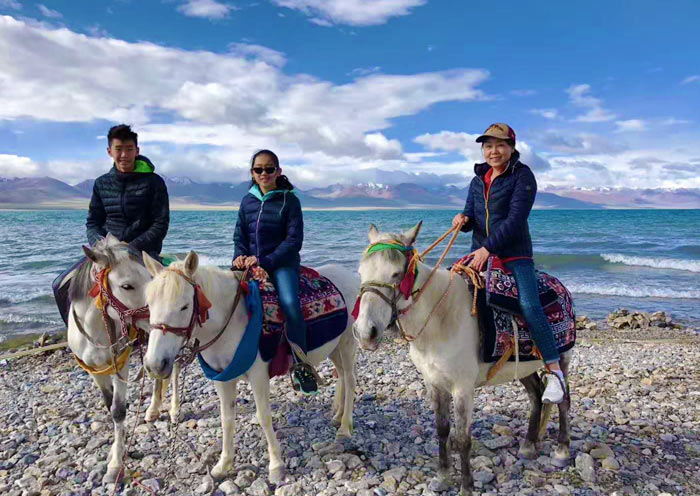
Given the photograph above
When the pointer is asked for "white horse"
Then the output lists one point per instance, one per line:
(171, 298)
(89, 340)
(446, 350)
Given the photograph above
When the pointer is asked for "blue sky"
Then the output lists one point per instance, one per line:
(602, 94)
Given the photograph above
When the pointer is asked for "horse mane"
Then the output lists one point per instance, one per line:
(168, 283)
(82, 281)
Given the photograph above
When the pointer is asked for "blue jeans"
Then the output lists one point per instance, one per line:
(524, 272)
(286, 281)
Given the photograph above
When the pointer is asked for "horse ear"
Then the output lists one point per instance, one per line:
(112, 239)
(97, 258)
(373, 233)
(152, 265)
(191, 263)
(409, 237)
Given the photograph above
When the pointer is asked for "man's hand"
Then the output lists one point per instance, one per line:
(479, 259)
(460, 219)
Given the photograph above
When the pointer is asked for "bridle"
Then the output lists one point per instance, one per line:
(127, 316)
(405, 287)
(200, 306)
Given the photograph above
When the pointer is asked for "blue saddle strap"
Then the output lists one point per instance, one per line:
(247, 350)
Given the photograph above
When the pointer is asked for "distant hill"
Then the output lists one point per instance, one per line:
(48, 192)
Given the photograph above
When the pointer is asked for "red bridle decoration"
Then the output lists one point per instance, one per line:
(200, 311)
(126, 315)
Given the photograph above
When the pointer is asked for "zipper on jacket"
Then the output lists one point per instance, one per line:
(257, 226)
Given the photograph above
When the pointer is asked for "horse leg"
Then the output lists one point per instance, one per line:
(118, 411)
(104, 382)
(260, 382)
(533, 386)
(562, 453)
(153, 411)
(348, 349)
(464, 409)
(441, 406)
(338, 403)
(175, 412)
(227, 392)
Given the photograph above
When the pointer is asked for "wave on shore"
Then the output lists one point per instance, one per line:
(657, 263)
(631, 291)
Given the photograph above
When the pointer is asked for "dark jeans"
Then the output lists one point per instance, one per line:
(524, 272)
(286, 281)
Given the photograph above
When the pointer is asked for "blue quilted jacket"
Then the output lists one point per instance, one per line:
(500, 222)
(133, 207)
(270, 227)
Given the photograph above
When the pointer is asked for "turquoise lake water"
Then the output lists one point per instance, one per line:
(640, 259)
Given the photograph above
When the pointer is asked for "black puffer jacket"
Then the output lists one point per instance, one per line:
(500, 222)
(270, 227)
(133, 207)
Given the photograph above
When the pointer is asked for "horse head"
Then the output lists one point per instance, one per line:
(117, 275)
(382, 269)
(172, 298)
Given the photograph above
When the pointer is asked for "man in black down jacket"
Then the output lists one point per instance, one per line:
(130, 201)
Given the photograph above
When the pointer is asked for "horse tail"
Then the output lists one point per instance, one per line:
(544, 419)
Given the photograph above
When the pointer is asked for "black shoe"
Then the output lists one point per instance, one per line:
(303, 380)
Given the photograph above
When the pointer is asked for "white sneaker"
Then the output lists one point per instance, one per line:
(553, 393)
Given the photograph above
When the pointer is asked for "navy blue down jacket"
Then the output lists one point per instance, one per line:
(132, 206)
(500, 222)
(270, 227)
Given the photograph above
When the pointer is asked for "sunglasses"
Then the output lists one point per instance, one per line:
(268, 170)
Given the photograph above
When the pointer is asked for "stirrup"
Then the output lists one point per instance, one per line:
(307, 369)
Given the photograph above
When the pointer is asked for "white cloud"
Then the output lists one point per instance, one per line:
(466, 145)
(364, 71)
(580, 96)
(47, 12)
(547, 113)
(209, 9)
(17, 166)
(351, 12)
(691, 79)
(272, 57)
(524, 92)
(631, 125)
(11, 4)
(672, 121)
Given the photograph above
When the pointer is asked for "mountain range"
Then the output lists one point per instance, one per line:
(46, 192)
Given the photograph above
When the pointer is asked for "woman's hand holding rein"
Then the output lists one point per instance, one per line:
(244, 262)
(460, 219)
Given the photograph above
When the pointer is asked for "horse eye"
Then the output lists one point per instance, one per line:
(127, 287)
(184, 308)
(395, 275)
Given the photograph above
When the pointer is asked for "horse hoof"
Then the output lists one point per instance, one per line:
(335, 422)
(111, 476)
(529, 453)
(152, 415)
(220, 471)
(277, 475)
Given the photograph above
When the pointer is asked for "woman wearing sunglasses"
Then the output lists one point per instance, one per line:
(269, 233)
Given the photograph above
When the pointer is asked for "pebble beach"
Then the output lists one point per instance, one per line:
(635, 428)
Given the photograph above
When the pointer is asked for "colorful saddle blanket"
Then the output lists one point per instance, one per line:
(498, 308)
(322, 306)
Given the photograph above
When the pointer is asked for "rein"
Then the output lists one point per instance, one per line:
(127, 315)
(410, 271)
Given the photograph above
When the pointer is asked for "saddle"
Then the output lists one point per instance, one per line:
(498, 310)
(324, 311)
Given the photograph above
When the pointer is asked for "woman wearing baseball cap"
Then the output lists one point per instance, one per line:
(498, 204)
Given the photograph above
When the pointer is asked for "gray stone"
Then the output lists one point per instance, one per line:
(228, 487)
(499, 442)
(483, 476)
(586, 467)
(259, 488)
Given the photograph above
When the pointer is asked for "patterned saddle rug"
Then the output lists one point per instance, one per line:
(498, 311)
(324, 311)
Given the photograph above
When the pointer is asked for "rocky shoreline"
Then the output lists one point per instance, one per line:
(635, 428)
